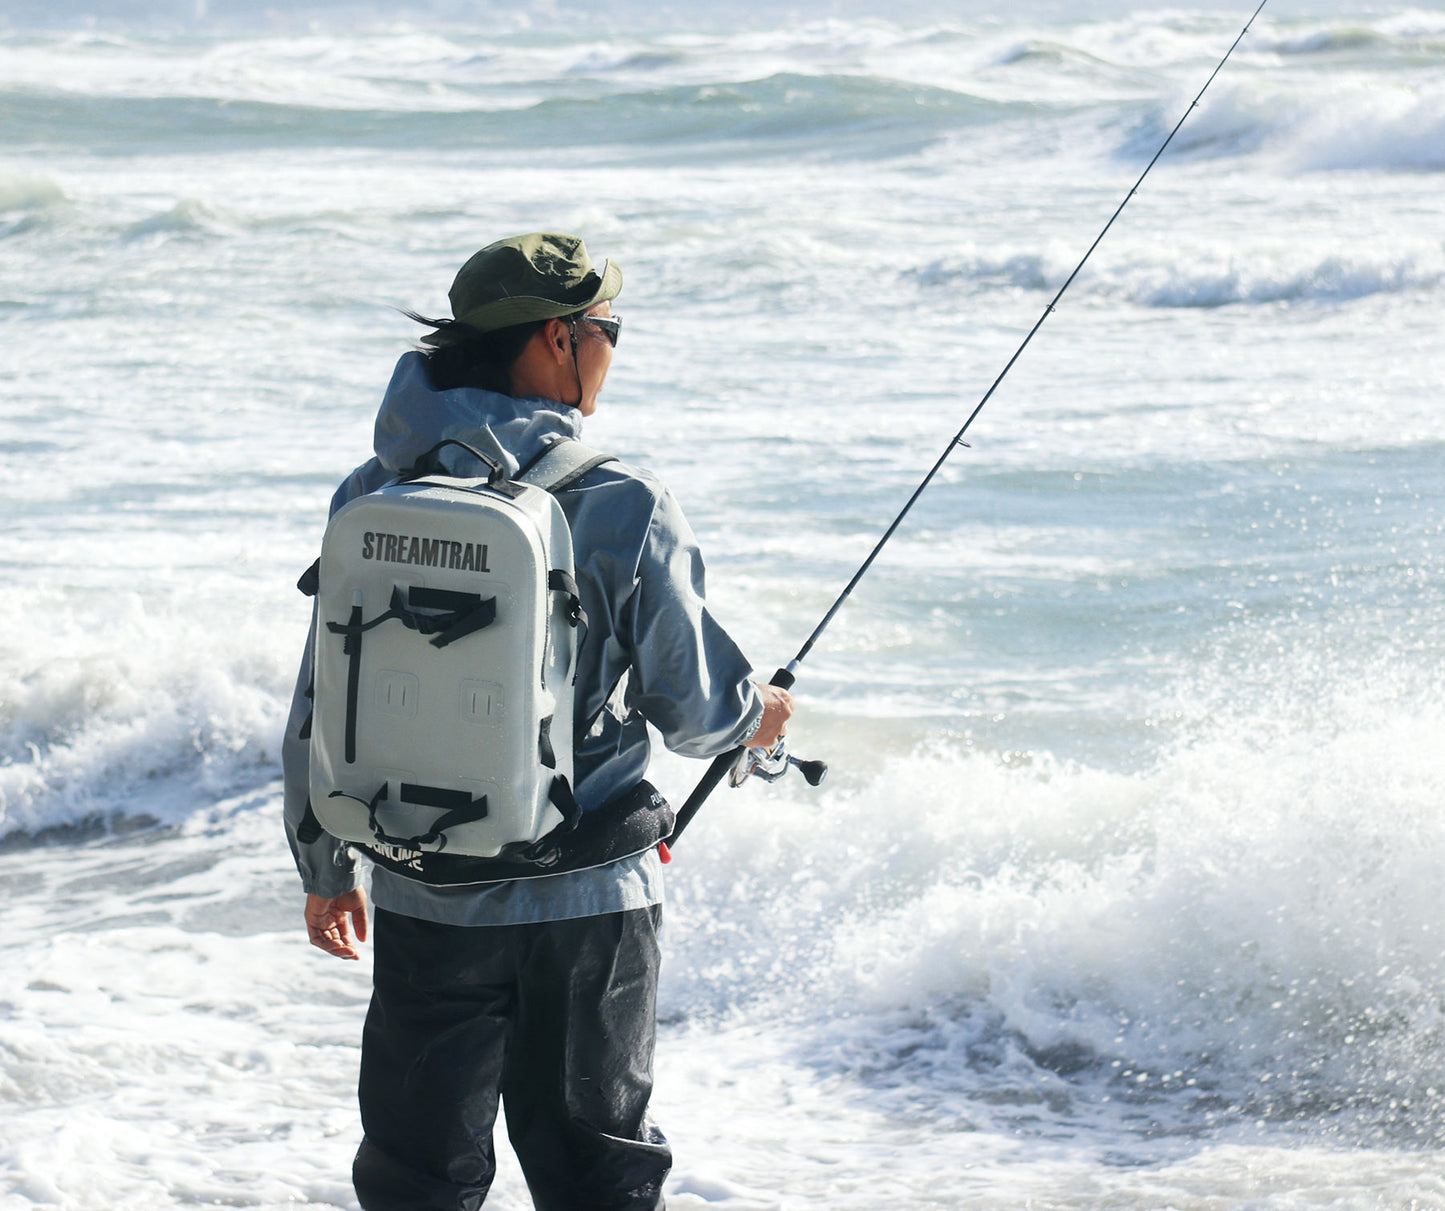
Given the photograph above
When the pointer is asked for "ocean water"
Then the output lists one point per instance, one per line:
(1125, 888)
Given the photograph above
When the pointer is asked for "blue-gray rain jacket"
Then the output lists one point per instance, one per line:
(653, 652)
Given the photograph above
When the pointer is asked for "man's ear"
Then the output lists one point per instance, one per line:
(555, 336)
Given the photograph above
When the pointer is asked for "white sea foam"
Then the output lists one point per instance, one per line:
(958, 970)
(1131, 724)
(1245, 931)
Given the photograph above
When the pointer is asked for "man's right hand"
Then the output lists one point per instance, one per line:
(777, 709)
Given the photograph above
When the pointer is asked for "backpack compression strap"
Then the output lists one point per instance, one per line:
(459, 808)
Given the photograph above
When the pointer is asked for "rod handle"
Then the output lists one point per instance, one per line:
(718, 770)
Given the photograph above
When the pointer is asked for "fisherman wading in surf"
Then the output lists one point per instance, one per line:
(496, 979)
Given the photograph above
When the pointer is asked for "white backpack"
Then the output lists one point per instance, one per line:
(448, 625)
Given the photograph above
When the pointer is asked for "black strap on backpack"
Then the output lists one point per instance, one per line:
(458, 808)
(631, 823)
(432, 463)
(460, 615)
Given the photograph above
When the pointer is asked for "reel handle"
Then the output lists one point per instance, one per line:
(813, 771)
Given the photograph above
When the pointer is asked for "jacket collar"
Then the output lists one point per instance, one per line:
(414, 417)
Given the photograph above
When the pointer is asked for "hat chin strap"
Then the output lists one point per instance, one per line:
(576, 370)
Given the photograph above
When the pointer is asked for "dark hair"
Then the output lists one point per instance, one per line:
(464, 357)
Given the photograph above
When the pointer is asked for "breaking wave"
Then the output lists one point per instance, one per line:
(1344, 127)
(787, 108)
(29, 191)
(1274, 279)
(862, 88)
(1247, 931)
(1401, 130)
(188, 216)
(1181, 277)
(96, 731)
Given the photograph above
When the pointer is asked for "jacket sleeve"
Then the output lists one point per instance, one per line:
(327, 866)
(688, 677)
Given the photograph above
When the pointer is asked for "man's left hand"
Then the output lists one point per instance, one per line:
(338, 925)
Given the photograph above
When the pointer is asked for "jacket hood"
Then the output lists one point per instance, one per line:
(414, 417)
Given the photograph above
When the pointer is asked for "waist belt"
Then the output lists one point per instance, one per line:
(628, 824)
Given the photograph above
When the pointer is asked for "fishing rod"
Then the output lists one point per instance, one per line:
(784, 678)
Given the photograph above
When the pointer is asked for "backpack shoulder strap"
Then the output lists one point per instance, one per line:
(562, 464)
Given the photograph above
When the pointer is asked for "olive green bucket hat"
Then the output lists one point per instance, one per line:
(542, 276)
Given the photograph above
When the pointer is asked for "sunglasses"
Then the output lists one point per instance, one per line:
(610, 325)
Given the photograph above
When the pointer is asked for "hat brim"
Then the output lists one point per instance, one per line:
(526, 309)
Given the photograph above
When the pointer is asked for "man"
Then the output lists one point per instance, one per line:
(540, 990)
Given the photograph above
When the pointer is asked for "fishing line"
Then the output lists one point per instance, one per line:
(786, 676)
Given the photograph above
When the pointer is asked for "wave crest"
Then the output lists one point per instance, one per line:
(189, 216)
(115, 730)
(1266, 279)
(1352, 126)
(29, 191)
(1393, 129)
(1177, 276)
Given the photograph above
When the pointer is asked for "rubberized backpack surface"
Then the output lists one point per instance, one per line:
(447, 634)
